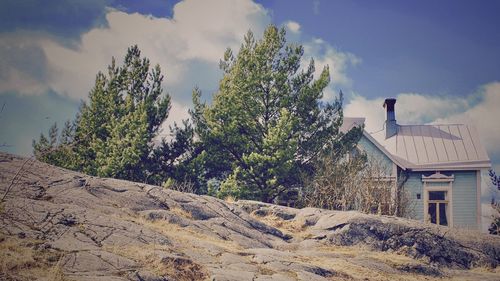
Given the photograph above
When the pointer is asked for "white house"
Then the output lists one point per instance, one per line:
(442, 164)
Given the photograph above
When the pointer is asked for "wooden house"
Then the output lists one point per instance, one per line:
(442, 166)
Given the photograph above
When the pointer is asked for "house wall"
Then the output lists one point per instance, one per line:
(464, 189)
(414, 186)
(375, 154)
(464, 197)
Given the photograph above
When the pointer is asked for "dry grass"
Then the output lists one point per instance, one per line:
(152, 258)
(366, 252)
(265, 270)
(184, 235)
(348, 262)
(56, 273)
(483, 274)
(183, 269)
(21, 259)
(181, 212)
(360, 262)
(294, 227)
(15, 256)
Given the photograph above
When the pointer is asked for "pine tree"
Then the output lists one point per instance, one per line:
(267, 123)
(112, 134)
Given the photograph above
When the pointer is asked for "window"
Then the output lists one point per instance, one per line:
(438, 207)
(438, 198)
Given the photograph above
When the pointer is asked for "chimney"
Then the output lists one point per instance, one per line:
(391, 127)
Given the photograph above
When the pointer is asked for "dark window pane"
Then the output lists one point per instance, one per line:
(442, 214)
(437, 195)
(432, 212)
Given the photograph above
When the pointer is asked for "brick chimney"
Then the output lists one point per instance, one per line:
(391, 127)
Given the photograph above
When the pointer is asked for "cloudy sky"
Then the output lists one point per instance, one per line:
(440, 59)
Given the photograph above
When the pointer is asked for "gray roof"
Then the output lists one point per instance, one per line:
(434, 147)
(351, 122)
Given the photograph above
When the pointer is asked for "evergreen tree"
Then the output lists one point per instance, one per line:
(267, 124)
(112, 134)
(179, 160)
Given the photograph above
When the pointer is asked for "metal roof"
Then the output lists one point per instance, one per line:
(434, 147)
(351, 122)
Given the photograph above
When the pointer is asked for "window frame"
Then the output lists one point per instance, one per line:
(438, 178)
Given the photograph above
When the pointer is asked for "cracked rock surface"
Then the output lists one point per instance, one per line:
(57, 224)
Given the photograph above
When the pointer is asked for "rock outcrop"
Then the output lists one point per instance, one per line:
(57, 224)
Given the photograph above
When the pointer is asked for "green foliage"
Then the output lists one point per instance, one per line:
(179, 160)
(112, 134)
(260, 138)
(54, 150)
(267, 125)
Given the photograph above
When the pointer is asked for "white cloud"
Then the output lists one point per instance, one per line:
(485, 116)
(371, 109)
(293, 26)
(199, 31)
(188, 46)
(18, 81)
(325, 54)
(22, 63)
(411, 108)
(178, 113)
(481, 109)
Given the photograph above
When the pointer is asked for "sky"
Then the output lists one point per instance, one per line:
(440, 59)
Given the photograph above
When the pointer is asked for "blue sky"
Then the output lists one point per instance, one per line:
(440, 59)
(438, 47)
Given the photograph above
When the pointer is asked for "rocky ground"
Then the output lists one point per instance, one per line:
(61, 225)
